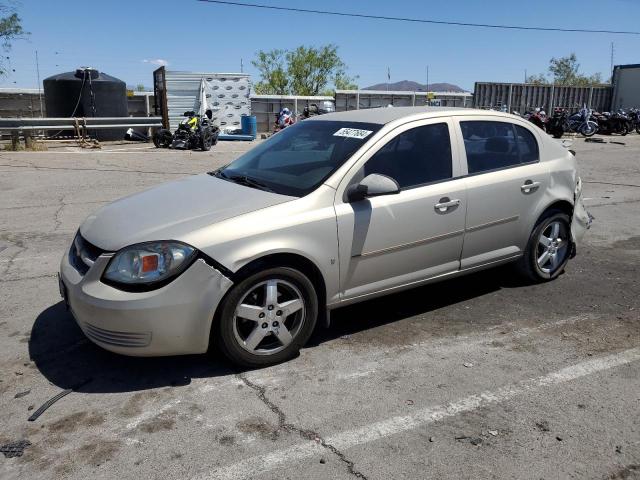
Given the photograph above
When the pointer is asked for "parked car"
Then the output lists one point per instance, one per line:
(337, 209)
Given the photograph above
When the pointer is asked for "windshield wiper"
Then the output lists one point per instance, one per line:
(244, 180)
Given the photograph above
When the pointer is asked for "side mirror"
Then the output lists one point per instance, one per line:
(372, 186)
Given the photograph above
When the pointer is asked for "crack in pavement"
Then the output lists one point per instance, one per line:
(35, 167)
(303, 433)
(614, 184)
(56, 216)
(21, 248)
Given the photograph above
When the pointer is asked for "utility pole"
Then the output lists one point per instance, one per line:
(241, 66)
(427, 78)
(525, 75)
(612, 52)
(388, 77)
(39, 86)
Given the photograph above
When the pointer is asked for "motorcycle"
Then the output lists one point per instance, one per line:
(634, 118)
(284, 119)
(612, 122)
(538, 117)
(580, 122)
(195, 131)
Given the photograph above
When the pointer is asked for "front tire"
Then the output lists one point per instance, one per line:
(266, 318)
(548, 249)
(589, 129)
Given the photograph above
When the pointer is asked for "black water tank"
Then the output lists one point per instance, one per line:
(87, 93)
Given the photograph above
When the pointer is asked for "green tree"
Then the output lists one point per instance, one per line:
(10, 30)
(566, 71)
(538, 79)
(303, 71)
(140, 87)
(273, 73)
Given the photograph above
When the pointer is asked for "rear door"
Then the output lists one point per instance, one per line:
(504, 183)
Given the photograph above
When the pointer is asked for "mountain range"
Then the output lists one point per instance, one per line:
(411, 86)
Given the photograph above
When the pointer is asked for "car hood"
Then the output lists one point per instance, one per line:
(172, 210)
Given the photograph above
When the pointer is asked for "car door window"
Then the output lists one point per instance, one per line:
(489, 145)
(415, 157)
(527, 145)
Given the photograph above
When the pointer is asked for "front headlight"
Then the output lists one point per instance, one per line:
(149, 264)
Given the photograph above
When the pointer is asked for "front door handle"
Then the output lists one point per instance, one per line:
(445, 204)
(529, 186)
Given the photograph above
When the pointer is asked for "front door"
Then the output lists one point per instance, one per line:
(394, 240)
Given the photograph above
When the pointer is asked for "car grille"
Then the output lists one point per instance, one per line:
(82, 254)
(120, 339)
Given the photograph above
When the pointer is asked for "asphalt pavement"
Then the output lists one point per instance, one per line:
(477, 377)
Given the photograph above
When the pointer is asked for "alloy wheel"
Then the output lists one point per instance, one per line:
(269, 317)
(553, 247)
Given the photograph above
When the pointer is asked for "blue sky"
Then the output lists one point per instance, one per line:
(123, 38)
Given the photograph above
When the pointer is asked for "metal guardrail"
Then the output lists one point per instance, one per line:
(90, 123)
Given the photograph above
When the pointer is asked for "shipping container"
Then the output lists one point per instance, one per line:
(522, 97)
(626, 87)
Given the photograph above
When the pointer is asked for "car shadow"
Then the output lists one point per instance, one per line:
(402, 305)
(69, 360)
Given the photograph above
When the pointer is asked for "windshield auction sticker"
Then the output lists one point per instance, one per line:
(352, 133)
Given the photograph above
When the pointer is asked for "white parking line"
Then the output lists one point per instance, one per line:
(152, 413)
(252, 467)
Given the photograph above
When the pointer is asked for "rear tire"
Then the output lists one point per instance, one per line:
(266, 318)
(548, 249)
(162, 138)
(206, 140)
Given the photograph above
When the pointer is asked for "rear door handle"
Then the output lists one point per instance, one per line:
(445, 204)
(529, 186)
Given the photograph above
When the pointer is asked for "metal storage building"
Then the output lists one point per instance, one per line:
(357, 99)
(626, 86)
(265, 107)
(178, 92)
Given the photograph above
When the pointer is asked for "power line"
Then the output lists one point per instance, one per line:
(416, 20)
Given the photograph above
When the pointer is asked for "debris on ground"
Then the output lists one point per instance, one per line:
(559, 439)
(468, 364)
(431, 439)
(322, 460)
(410, 402)
(48, 403)
(14, 449)
(618, 448)
(594, 140)
(53, 400)
(493, 433)
(543, 426)
(475, 441)
(22, 394)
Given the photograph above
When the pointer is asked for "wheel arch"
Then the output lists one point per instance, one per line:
(287, 259)
(564, 206)
(281, 259)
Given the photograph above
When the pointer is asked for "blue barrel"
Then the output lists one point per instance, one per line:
(249, 125)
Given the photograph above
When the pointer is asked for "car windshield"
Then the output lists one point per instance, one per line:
(298, 159)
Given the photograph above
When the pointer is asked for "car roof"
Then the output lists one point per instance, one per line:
(386, 115)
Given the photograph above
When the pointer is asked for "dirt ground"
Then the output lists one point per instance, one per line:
(478, 377)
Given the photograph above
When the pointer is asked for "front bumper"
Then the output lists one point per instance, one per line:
(172, 320)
